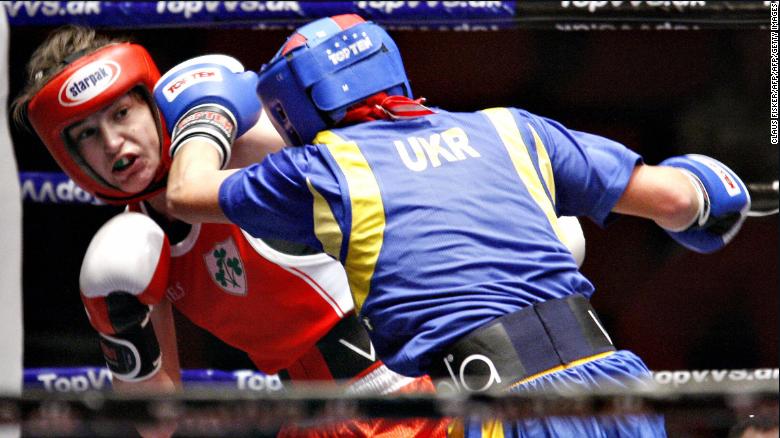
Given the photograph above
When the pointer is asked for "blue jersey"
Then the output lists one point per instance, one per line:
(442, 222)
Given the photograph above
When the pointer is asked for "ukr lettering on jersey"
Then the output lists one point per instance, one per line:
(450, 146)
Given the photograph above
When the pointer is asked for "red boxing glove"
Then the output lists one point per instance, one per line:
(124, 273)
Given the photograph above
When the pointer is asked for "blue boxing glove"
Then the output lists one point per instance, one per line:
(723, 203)
(210, 97)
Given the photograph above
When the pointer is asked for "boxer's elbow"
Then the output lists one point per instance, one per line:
(677, 206)
(180, 195)
(663, 194)
(193, 184)
(193, 197)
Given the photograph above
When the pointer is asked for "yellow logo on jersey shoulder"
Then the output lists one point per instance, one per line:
(451, 145)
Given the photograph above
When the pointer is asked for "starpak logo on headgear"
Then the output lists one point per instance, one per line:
(89, 81)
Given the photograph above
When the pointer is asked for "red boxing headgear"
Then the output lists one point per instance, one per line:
(87, 85)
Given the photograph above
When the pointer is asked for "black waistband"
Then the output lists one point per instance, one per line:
(522, 344)
(342, 354)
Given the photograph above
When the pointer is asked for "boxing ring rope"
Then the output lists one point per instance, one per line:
(91, 378)
(678, 395)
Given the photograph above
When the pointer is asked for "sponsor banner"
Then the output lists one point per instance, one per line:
(80, 379)
(714, 376)
(249, 14)
(53, 188)
(421, 15)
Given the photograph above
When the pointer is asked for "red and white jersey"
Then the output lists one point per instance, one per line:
(271, 305)
(291, 314)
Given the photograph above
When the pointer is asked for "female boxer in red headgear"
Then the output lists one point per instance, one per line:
(88, 99)
(98, 83)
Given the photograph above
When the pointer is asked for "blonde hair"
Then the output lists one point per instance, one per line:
(51, 57)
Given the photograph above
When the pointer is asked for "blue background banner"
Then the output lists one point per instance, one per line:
(80, 379)
(253, 14)
(421, 15)
(53, 188)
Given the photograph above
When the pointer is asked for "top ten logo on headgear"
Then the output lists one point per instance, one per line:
(88, 82)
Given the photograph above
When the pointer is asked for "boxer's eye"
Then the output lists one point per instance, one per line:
(84, 134)
(121, 113)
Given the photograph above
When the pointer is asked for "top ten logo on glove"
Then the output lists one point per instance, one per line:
(188, 79)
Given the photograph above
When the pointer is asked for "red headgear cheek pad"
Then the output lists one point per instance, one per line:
(85, 86)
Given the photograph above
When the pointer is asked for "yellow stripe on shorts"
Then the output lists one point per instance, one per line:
(488, 429)
(368, 214)
(571, 364)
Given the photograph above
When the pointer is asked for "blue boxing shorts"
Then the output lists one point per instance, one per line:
(619, 369)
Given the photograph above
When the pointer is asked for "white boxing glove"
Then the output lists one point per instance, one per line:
(124, 273)
(573, 237)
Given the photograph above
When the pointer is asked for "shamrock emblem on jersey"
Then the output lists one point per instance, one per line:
(226, 268)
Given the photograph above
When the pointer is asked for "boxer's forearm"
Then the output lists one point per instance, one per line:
(193, 183)
(165, 329)
(256, 144)
(159, 383)
(662, 194)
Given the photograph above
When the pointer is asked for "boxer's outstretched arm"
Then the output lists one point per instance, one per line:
(699, 201)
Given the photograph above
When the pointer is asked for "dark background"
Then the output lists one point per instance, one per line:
(660, 93)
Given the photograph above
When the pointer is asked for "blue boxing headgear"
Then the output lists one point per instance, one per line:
(325, 67)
